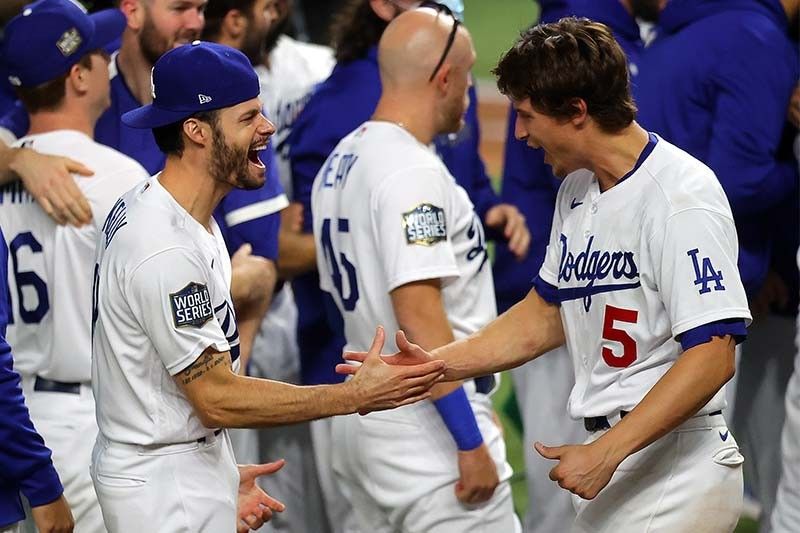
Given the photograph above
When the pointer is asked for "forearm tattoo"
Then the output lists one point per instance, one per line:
(204, 363)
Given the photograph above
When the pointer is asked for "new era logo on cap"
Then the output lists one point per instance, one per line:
(203, 98)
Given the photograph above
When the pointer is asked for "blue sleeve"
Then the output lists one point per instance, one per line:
(702, 334)
(253, 216)
(464, 162)
(753, 90)
(24, 459)
(15, 120)
(549, 293)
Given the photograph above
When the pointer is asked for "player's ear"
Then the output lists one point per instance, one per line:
(444, 77)
(77, 79)
(234, 24)
(384, 9)
(580, 112)
(197, 131)
(134, 12)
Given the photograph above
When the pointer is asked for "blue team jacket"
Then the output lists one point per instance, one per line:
(338, 106)
(528, 182)
(716, 82)
(25, 464)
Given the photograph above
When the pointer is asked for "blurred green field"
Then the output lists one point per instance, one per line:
(494, 26)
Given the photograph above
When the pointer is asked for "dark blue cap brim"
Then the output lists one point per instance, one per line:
(149, 116)
(108, 26)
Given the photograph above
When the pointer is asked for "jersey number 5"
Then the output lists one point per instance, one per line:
(612, 333)
(333, 259)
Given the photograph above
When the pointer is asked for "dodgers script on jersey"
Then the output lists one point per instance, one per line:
(636, 267)
(50, 271)
(411, 221)
(161, 297)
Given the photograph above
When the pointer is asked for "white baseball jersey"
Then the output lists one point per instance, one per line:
(635, 268)
(162, 296)
(50, 266)
(294, 69)
(411, 222)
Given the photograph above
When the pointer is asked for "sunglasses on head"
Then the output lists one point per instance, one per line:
(441, 8)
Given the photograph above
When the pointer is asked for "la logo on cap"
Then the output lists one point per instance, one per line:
(69, 42)
(203, 98)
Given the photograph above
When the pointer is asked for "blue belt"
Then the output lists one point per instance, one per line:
(484, 384)
(48, 385)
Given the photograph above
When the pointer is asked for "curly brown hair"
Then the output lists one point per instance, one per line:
(355, 29)
(575, 58)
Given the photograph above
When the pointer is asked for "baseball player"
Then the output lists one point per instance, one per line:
(639, 280)
(399, 243)
(54, 58)
(165, 352)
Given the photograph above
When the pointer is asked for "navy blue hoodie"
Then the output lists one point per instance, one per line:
(716, 82)
(528, 182)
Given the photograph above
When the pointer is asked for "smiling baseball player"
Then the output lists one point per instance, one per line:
(165, 352)
(639, 280)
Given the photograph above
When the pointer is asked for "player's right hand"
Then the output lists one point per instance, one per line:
(378, 385)
(409, 354)
(49, 180)
(53, 517)
(478, 476)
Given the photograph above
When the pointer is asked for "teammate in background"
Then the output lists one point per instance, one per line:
(165, 336)
(729, 111)
(53, 52)
(155, 26)
(24, 459)
(247, 25)
(542, 388)
(413, 255)
(639, 279)
(786, 513)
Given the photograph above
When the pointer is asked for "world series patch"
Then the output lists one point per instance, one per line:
(425, 225)
(191, 306)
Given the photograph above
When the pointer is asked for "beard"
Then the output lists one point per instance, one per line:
(154, 44)
(229, 164)
(454, 116)
(647, 10)
(275, 31)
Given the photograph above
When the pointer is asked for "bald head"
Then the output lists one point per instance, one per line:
(413, 43)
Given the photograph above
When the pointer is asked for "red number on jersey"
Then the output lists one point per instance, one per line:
(615, 314)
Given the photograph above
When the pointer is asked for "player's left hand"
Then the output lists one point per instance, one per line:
(508, 219)
(582, 469)
(255, 506)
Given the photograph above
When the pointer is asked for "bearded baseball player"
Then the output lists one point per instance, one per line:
(639, 280)
(165, 361)
(399, 242)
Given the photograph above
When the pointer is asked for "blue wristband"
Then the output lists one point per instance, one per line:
(457, 414)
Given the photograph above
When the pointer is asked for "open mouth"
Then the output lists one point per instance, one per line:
(252, 156)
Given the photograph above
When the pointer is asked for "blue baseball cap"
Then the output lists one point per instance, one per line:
(192, 78)
(49, 36)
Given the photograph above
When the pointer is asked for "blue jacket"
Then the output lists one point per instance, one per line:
(338, 106)
(716, 82)
(528, 182)
(25, 464)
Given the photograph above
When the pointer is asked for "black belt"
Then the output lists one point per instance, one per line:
(202, 440)
(484, 384)
(48, 385)
(598, 423)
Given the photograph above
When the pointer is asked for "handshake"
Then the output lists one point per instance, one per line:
(387, 381)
